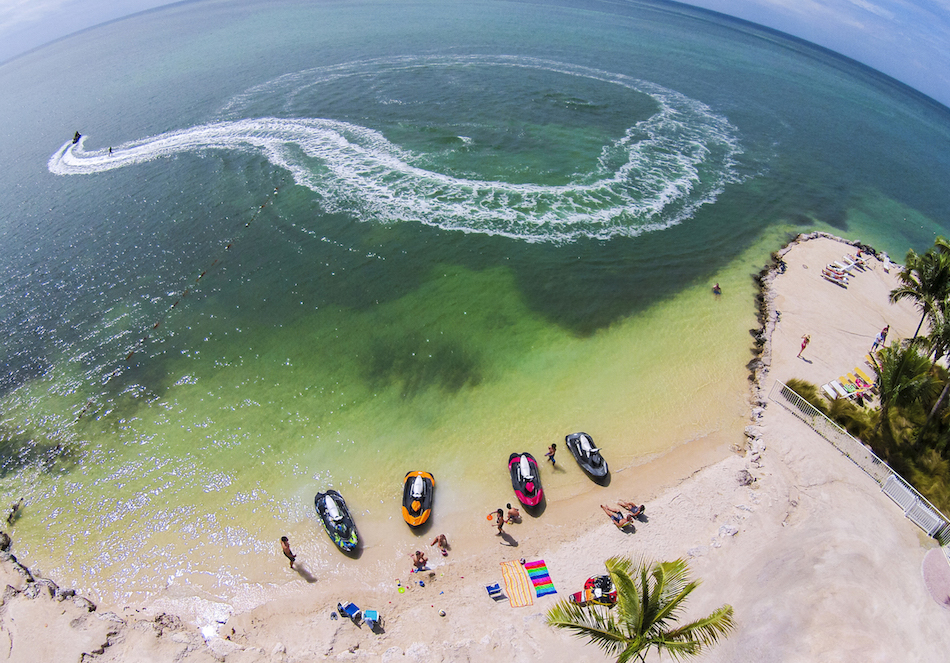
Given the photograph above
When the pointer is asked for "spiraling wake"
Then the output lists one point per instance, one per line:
(671, 163)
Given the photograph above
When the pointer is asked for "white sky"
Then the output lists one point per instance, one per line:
(908, 40)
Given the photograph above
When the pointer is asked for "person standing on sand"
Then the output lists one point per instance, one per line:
(500, 520)
(550, 453)
(288, 553)
(881, 338)
(806, 339)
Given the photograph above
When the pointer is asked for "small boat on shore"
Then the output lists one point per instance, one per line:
(337, 520)
(599, 590)
(417, 491)
(524, 478)
(587, 455)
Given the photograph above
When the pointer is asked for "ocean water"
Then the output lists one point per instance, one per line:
(309, 245)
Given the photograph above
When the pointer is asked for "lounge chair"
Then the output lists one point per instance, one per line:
(372, 619)
(839, 389)
(349, 610)
(845, 267)
(864, 376)
(494, 591)
(829, 391)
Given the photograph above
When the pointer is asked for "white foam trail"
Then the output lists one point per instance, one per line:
(669, 164)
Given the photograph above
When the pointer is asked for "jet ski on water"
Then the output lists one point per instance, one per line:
(417, 491)
(525, 479)
(586, 454)
(337, 520)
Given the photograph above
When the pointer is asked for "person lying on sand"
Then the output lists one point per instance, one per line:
(631, 507)
(419, 561)
(618, 518)
(514, 516)
(442, 542)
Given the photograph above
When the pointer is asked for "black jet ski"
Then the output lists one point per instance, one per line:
(524, 478)
(586, 454)
(417, 490)
(76, 137)
(337, 520)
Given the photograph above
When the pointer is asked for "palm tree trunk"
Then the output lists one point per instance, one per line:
(933, 411)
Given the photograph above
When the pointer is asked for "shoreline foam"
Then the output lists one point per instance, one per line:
(817, 562)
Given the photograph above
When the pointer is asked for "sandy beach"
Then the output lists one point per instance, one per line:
(817, 562)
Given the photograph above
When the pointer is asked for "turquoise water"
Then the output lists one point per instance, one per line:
(309, 245)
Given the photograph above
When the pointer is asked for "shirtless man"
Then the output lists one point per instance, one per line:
(514, 516)
(285, 547)
(631, 507)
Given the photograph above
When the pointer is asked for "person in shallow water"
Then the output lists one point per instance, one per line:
(419, 561)
(442, 542)
(288, 553)
(717, 290)
(550, 454)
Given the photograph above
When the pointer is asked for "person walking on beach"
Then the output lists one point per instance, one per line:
(514, 516)
(288, 553)
(550, 453)
(881, 338)
(806, 339)
(499, 520)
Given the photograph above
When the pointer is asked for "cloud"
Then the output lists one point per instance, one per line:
(15, 14)
(874, 9)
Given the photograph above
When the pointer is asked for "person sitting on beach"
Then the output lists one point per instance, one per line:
(442, 542)
(419, 561)
(631, 507)
(514, 516)
(618, 518)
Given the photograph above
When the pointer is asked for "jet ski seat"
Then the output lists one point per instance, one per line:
(417, 487)
(332, 509)
(524, 467)
(587, 447)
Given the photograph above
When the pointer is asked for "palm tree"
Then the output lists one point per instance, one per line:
(903, 378)
(925, 279)
(650, 597)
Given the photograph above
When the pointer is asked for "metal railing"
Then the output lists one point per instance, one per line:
(916, 507)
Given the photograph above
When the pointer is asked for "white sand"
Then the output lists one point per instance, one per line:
(817, 562)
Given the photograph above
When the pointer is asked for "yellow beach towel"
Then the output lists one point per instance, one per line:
(520, 592)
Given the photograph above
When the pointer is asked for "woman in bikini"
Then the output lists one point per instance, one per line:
(618, 518)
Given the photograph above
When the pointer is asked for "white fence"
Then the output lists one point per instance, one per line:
(916, 507)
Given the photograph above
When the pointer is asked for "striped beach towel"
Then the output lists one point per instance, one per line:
(516, 582)
(538, 572)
